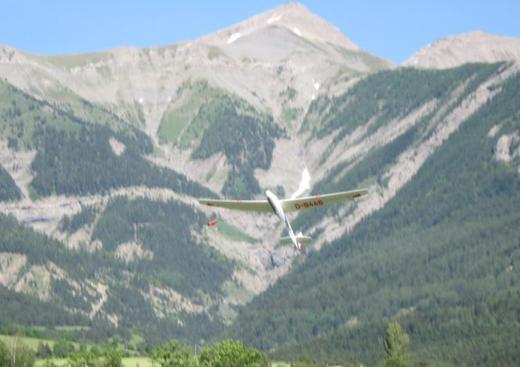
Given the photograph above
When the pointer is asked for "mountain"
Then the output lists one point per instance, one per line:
(440, 256)
(474, 46)
(103, 155)
(258, 59)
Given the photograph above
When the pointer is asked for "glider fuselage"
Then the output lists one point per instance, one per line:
(275, 204)
(277, 207)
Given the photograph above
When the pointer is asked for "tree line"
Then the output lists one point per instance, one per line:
(223, 353)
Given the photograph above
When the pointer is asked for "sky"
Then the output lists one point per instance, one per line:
(390, 29)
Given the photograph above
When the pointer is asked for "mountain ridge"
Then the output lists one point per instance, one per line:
(474, 46)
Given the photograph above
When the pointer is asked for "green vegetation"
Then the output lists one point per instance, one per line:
(31, 342)
(226, 353)
(75, 156)
(137, 362)
(71, 224)
(214, 52)
(126, 362)
(8, 189)
(289, 93)
(230, 353)
(374, 165)
(234, 233)
(165, 229)
(441, 257)
(39, 250)
(190, 97)
(212, 121)
(362, 174)
(16, 354)
(173, 354)
(177, 260)
(289, 115)
(84, 163)
(21, 115)
(396, 346)
(246, 141)
(390, 94)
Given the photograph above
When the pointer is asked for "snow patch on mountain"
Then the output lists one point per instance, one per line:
(234, 37)
(274, 18)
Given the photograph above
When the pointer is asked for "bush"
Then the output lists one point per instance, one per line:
(230, 353)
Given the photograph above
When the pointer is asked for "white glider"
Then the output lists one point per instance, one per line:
(281, 206)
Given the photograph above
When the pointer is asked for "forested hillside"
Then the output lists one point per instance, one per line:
(148, 272)
(211, 121)
(441, 257)
(84, 163)
(375, 101)
(160, 228)
(8, 189)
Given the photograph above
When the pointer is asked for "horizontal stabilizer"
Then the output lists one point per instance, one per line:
(299, 237)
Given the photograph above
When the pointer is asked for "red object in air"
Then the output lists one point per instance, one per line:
(212, 222)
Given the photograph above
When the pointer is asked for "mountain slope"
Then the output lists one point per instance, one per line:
(441, 257)
(144, 269)
(288, 46)
(468, 47)
(385, 120)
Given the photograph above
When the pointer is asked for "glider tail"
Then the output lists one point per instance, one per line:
(291, 235)
(299, 238)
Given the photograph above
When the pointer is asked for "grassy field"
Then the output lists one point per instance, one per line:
(30, 342)
(55, 361)
(127, 362)
(137, 362)
(130, 362)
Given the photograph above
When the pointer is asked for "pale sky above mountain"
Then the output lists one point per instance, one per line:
(390, 29)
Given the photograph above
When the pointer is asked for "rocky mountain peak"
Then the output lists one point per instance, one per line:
(295, 17)
(475, 46)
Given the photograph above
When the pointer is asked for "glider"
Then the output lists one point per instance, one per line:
(272, 204)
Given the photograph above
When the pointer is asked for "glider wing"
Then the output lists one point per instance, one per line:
(246, 205)
(316, 201)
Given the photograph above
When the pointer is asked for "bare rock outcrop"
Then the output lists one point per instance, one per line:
(474, 46)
